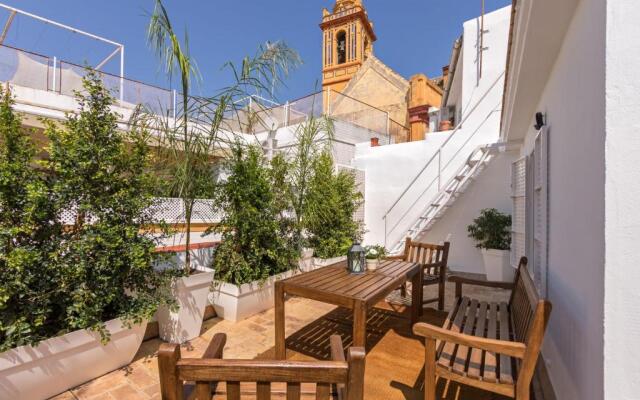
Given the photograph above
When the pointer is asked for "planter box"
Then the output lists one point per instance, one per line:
(61, 363)
(236, 303)
(191, 293)
(497, 265)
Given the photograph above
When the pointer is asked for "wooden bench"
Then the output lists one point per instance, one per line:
(491, 346)
(230, 379)
(434, 260)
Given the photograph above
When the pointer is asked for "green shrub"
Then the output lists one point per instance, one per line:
(253, 246)
(333, 198)
(28, 236)
(59, 279)
(102, 173)
(491, 230)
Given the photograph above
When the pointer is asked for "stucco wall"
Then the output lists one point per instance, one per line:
(573, 100)
(622, 193)
(390, 170)
(373, 88)
(491, 189)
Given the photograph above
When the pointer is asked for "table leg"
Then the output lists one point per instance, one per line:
(359, 324)
(416, 296)
(281, 351)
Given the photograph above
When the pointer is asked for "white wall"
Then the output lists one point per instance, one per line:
(573, 100)
(391, 169)
(491, 189)
(622, 194)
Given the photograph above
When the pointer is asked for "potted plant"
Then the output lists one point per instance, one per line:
(492, 232)
(187, 151)
(75, 260)
(333, 199)
(254, 252)
(374, 254)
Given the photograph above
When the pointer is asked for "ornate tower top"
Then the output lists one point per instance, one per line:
(348, 42)
(342, 5)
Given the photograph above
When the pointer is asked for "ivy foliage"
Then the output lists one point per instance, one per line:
(254, 225)
(55, 278)
(491, 230)
(333, 199)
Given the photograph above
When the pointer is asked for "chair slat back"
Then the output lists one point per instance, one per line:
(432, 256)
(529, 318)
(523, 303)
(174, 371)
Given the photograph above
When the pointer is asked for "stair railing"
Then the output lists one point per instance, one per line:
(437, 156)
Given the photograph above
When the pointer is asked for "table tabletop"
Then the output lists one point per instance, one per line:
(334, 283)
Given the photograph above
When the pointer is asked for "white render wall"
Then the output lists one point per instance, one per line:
(390, 169)
(622, 194)
(491, 189)
(573, 100)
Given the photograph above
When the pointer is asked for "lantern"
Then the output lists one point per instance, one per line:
(356, 259)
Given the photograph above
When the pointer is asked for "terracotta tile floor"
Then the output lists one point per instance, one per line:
(246, 340)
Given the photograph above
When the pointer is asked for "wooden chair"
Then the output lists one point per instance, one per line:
(491, 346)
(321, 380)
(434, 258)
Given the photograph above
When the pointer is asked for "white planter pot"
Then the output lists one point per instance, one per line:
(324, 262)
(235, 303)
(191, 293)
(61, 363)
(497, 265)
(372, 265)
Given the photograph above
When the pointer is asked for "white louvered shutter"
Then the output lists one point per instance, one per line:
(518, 194)
(540, 211)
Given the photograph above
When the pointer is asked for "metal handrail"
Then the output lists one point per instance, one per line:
(439, 151)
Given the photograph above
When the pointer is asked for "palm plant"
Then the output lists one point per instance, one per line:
(190, 142)
(313, 138)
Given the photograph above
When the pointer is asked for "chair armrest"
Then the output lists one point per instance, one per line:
(400, 257)
(337, 354)
(460, 280)
(428, 331)
(216, 346)
(337, 350)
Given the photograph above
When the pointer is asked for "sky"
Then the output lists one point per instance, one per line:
(414, 36)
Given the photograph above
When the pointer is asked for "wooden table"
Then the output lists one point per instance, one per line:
(335, 285)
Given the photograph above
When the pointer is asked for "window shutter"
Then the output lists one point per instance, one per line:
(540, 212)
(518, 194)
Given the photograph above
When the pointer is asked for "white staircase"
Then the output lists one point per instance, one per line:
(450, 192)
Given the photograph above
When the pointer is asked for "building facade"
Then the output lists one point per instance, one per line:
(351, 69)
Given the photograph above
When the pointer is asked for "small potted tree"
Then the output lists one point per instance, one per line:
(492, 232)
(374, 255)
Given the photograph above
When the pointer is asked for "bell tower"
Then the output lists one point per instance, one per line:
(348, 38)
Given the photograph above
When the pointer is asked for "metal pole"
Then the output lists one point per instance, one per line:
(388, 125)
(481, 41)
(54, 73)
(439, 169)
(122, 74)
(175, 106)
(286, 114)
(7, 26)
(329, 102)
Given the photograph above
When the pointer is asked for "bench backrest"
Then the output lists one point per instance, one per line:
(433, 256)
(174, 371)
(529, 317)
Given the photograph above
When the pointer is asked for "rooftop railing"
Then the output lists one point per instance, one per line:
(253, 114)
(37, 71)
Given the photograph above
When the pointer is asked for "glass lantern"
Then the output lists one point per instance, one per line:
(356, 259)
